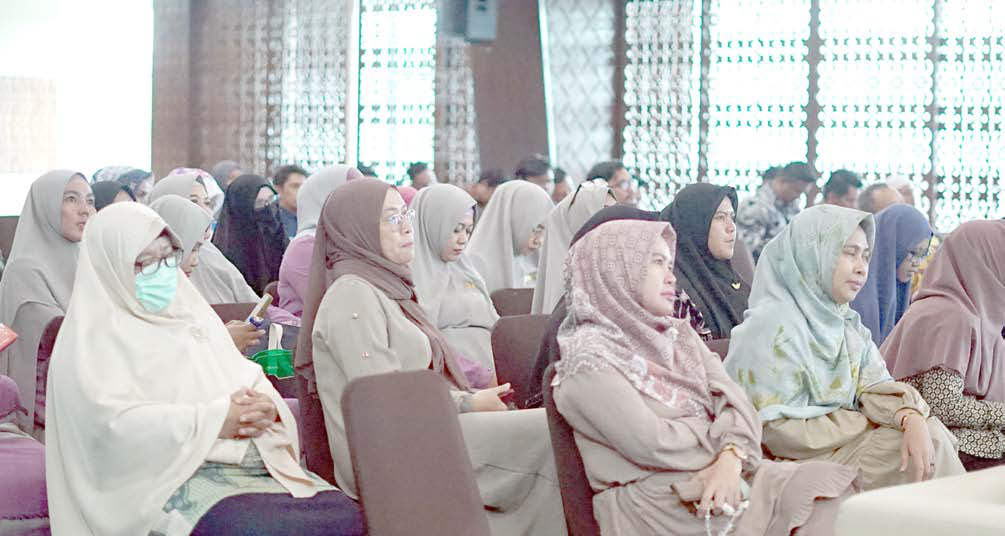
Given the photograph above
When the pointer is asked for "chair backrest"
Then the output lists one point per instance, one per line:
(719, 346)
(513, 301)
(272, 289)
(515, 342)
(577, 495)
(45, 345)
(412, 468)
(313, 433)
(233, 311)
(8, 225)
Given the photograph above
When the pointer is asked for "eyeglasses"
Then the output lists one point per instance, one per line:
(171, 261)
(396, 220)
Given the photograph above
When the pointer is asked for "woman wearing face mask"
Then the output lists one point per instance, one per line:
(39, 276)
(361, 318)
(902, 239)
(811, 368)
(250, 232)
(702, 215)
(448, 287)
(563, 221)
(179, 433)
(504, 247)
(661, 428)
(190, 224)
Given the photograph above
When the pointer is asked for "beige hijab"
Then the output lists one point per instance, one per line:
(133, 413)
(563, 221)
(516, 208)
(39, 271)
(188, 222)
(438, 210)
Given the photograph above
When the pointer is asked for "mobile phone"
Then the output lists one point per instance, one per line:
(259, 310)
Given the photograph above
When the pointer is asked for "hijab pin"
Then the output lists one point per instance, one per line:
(736, 286)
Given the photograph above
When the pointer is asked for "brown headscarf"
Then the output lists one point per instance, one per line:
(347, 241)
(956, 319)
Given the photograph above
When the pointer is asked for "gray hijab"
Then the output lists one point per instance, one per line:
(180, 185)
(188, 222)
(438, 209)
(315, 191)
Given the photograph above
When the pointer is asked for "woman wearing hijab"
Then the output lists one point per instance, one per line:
(811, 368)
(950, 345)
(362, 318)
(139, 182)
(295, 268)
(449, 289)
(38, 279)
(250, 233)
(108, 192)
(902, 238)
(167, 434)
(549, 351)
(504, 247)
(702, 216)
(213, 192)
(661, 428)
(563, 221)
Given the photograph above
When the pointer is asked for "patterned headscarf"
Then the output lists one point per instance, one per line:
(608, 328)
(798, 353)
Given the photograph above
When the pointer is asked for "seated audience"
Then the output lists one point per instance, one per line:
(185, 182)
(902, 238)
(763, 216)
(811, 369)
(877, 197)
(288, 181)
(536, 169)
(661, 428)
(618, 178)
(226, 172)
(421, 175)
(504, 247)
(167, 434)
(250, 233)
(108, 192)
(39, 276)
(295, 268)
(562, 223)
(449, 289)
(361, 318)
(950, 345)
(482, 190)
(139, 182)
(904, 188)
(702, 216)
(842, 188)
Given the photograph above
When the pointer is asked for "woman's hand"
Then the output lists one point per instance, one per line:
(917, 449)
(488, 399)
(232, 422)
(244, 334)
(259, 413)
(720, 482)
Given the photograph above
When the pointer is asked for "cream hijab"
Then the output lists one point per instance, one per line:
(563, 221)
(516, 208)
(132, 414)
(315, 191)
(439, 208)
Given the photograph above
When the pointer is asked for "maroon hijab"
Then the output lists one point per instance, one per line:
(347, 241)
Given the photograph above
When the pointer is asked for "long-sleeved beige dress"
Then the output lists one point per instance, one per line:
(634, 449)
(359, 332)
(466, 320)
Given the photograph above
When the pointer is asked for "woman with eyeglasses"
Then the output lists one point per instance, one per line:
(506, 242)
(950, 344)
(362, 317)
(162, 426)
(902, 238)
(449, 289)
(39, 276)
(563, 221)
(250, 233)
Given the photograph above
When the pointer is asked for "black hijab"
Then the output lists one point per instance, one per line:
(549, 352)
(720, 294)
(253, 240)
(105, 192)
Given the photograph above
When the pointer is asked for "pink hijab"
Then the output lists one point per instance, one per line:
(607, 327)
(408, 194)
(957, 316)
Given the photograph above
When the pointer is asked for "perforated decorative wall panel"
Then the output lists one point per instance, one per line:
(396, 84)
(456, 135)
(580, 51)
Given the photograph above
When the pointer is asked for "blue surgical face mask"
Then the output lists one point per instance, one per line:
(156, 291)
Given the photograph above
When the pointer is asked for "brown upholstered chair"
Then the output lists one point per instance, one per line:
(412, 469)
(8, 225)
(577, 495)
(515, 341)
(272, 289)
(45, 345)
(719, 346)
(513, 301)
(233, 311)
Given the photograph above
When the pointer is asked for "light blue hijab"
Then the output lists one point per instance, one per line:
(798, 353)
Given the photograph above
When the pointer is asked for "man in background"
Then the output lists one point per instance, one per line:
(842, 188)
(537, 169)
(761, 217)
(482, 190)
(421, 175)
(563, 186)
(618, 178)
(287, 181)
(878, 196)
